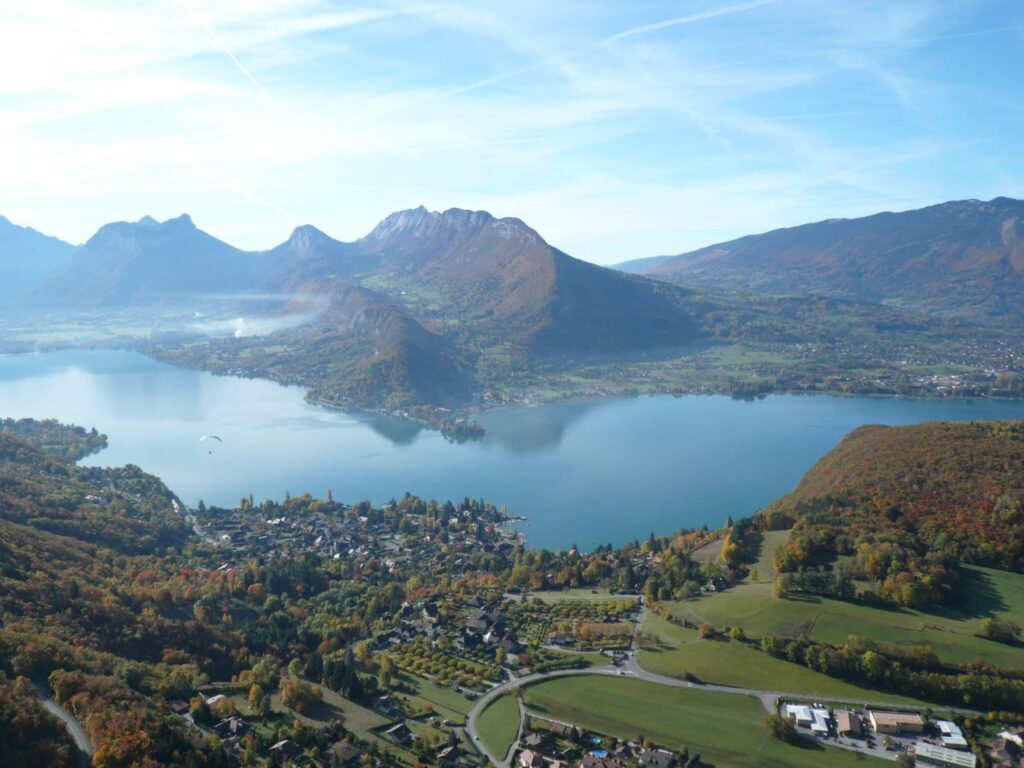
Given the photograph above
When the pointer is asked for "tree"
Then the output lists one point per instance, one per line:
(256, 593)
(1000, 631)
(259, 702)
(781, 728)
(255, 694)
(386, 670)
(200, 711)
(781, 588)
(300, 695)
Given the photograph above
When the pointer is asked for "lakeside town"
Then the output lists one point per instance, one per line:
(447, 666)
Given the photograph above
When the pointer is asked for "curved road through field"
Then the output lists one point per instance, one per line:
(630, 669)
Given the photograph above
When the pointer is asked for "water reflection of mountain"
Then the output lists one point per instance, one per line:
(395, 431)
(524, 431)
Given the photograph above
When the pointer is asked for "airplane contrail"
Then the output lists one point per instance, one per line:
(222, 44)
(681, 20)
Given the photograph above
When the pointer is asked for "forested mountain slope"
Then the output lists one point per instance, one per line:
(82, 551)
(908, 503)
(963, 258)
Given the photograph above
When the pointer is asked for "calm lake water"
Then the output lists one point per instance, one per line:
(586, 473)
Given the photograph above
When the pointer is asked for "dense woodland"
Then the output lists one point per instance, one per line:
(900, 507)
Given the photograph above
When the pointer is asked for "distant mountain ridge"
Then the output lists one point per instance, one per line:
(26, 257)
(962, 258)
(639, 266)
(444, 308)
(131, 262)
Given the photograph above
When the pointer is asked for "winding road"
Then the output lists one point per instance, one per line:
(81, 738)
(630, 669)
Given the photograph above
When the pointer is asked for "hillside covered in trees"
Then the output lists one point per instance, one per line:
(81, 550)
(901, 506)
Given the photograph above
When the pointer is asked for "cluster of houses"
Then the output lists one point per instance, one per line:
(393, 540)
(487, 627)
(484, 631)
(234, 732)
(941, 744)
(1007, 749)
(551, 744)
(450, 756)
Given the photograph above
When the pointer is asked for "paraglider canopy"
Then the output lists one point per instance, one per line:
(205, 438)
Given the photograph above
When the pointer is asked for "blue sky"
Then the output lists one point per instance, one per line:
(616, 129)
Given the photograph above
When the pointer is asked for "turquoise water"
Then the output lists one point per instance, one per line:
(582, 473)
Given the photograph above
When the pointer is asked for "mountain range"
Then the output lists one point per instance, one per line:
(437, 307)
(26, 257)
(962, 259)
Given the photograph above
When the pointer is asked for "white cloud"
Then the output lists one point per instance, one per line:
(693, 18)
(650, 141)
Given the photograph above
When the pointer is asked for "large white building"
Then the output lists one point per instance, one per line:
(940, 757)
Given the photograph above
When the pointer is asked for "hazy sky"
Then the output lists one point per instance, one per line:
(617, 128)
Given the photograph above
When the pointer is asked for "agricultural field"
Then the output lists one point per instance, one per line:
(770, 542)
(728, 662)
(591, 623)
(727, 729)
(423, 694)
(988, 593)
(420, 659)
(499, 724)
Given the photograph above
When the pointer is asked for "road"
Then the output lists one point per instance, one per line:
(510, 685)
(554, 596)
(630, 669)
(85, 748)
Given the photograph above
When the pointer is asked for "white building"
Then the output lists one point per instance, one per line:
(939, 757)
(951, 735)
(800, 714)
(816, 718)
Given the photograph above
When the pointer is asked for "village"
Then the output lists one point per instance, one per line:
(453, 672)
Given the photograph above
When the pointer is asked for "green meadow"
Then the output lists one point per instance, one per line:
(727, 729)
(950, 632)
(499, 724)
(728, 662)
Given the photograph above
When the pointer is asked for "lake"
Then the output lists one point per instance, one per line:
(584, 473)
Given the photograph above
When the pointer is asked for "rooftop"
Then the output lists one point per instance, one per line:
(929, 754)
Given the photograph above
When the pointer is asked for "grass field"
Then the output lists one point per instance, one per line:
(731, 663)
(709, 553)
(444, 701)
(499, 724)
(770, 542)
(951, 633)
(727, 729)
